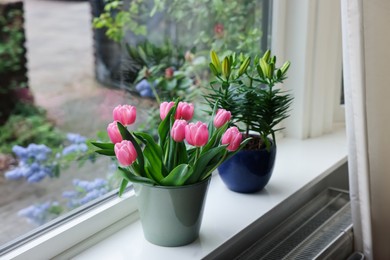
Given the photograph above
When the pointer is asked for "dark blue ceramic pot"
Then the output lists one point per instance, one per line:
(248, 171)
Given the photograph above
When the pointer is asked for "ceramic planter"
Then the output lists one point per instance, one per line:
(248, 171)
(171, 216)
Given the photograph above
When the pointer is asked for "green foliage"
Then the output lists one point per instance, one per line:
(28, 124)
(248, 91)
(12, 73)
(11, 39)
(147, 54)
(220, 25)
(117, 20)
(152, 62)
(217, 24)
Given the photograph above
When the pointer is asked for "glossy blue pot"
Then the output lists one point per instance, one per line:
(248, 171)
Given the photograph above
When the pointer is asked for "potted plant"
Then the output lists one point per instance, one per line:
(170, 176)
(248, 90)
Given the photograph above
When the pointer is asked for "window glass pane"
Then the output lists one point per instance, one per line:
(77, 75)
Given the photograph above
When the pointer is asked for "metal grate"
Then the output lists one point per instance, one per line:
(306, 233)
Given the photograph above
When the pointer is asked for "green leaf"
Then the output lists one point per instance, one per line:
(126, 135)
(172, 152)
(104, 146)
(142, 55)
(203, 161)
(177, 177)
(164, 127)
(182, 153)
(153, 156)
(215, 138)
(126, 174)
(213, 164)
(106, 152)
(123, 186)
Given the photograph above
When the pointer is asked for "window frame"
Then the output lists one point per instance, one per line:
(111, 215)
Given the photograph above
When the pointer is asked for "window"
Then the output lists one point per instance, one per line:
(61, 80)
(310, 116)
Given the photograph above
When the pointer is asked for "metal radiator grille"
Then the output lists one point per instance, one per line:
(308, 232)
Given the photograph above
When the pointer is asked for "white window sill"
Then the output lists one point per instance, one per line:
(226, 213)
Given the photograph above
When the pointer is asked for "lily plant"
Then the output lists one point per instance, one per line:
(246, 86)
(185, 152)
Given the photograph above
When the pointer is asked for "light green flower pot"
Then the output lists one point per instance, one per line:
(171, 216)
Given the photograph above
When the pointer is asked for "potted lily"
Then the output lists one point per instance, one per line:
(170, 176)
(246, 87)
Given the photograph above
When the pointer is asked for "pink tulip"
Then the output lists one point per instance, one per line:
(184, 111)
(178, 131)
(233, 137)
(113, 132)
(125, 152)
(221, 117)
(197, 134)
(164, 109)
(125, 114)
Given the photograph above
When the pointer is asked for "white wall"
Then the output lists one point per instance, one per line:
(366, 42)
(376, 31)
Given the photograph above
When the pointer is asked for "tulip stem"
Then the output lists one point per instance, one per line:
(197, 154)
(175, 154)
(166, 156)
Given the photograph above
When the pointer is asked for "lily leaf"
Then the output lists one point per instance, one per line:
(177, 176)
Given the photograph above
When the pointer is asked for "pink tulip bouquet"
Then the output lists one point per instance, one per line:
(185, 153)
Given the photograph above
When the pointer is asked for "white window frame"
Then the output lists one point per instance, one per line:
(308, 64)
(301, 31)
(98, 222)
